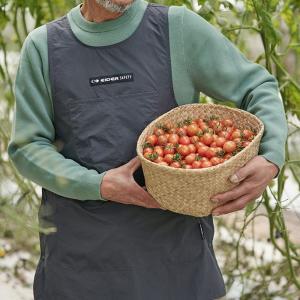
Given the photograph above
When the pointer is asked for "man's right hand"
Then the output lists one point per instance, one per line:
(118, 185)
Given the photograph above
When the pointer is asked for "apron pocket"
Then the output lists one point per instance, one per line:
(106, 129)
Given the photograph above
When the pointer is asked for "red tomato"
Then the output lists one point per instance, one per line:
(175, 164)
(192, 129)
(206, 164)
(159, 150)
(168, 158)
(202, 150)
(172, 130)
(169, 149)
(210, 152)
(192, 148)
(204, 159)
(194, 139)
(148, 150)
(159, 131)
(215, 137)
(215, 160)
(225, 135)
(181, 131)
(189, 159)
(162, 140)
(173, 138)
(227, 156)
(229, 146)
(152, 139)
(207, 138)
(184, 140)
(199, 144)
(236, 134)
(227, 122)
(212, 123)
(183, 150)
(220, 141)
(237, 140)
(196, 164)
(247, 134)
(213, 144)
(187, 166)
(245, 143)
(204, 127)
(159, 159)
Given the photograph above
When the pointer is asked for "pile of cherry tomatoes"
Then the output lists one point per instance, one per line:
(196, 143)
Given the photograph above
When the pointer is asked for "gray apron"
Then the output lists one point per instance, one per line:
(103, 97)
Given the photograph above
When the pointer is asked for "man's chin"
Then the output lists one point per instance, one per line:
(113, 6)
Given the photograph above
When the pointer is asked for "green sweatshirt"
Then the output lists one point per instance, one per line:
(202, 60)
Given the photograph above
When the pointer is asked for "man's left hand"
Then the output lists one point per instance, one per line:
(253, 178)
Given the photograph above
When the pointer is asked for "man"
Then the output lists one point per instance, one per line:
(87, 85)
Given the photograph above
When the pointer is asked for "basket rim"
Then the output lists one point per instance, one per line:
(202, 170)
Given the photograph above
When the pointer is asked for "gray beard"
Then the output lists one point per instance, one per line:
(112, 7)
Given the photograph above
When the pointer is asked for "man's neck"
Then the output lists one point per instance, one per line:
(94, 12)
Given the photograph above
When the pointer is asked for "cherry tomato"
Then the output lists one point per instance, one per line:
(148, 150)
(245, 143)
(194, 139)
(175, 164)
(159, 150)
(169, 149)
(236, 134)
(227, 122)
(187, 166)
(162, 140)
(207, 139)
(168, 158)
(202, 150)
(184, 140)
(229, 146)
(227, 156)
(159, 131)
(215, 160)
(172, 130)
(192, 148)
(181, 131)
(173, 138)
(206, 164)
(189, 159)
(196, 164)
(159, 159)
(225, 134)
(213, 144)
(192, 129)
(247, 134)
(210, 152)
(152, 139)
(220, 141)
(183, 150)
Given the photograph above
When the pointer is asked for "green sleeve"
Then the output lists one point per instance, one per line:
(31, 147)
(218, 69)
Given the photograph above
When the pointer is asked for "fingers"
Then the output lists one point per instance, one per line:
(232, 206)
(144, 198)
(236, 192)
(244, 172)
(133, 164)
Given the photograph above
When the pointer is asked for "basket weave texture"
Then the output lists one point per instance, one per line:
(188, 191)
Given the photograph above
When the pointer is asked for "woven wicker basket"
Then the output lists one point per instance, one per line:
(188, 191)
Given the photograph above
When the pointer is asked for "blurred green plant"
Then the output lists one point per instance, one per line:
(274, 23)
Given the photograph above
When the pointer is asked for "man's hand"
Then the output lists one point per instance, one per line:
(253, 179)
(118, 185)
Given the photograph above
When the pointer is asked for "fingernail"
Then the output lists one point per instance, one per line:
(234, 179)
(214, 200)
